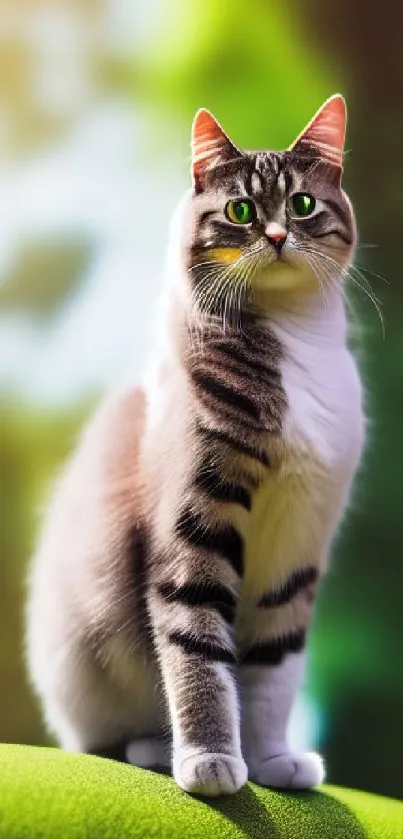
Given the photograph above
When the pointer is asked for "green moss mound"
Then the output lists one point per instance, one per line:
(47, 793)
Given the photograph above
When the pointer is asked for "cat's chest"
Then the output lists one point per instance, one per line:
(276, 533)
(299, 499)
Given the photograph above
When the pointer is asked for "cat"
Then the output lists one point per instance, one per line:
(175, 579)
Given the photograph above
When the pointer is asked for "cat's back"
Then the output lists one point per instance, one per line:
(95, 496)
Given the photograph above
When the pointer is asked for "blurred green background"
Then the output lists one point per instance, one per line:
(96, 100)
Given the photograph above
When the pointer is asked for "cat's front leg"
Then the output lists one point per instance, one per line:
(271, 674)
(268, 692)
(192, 621)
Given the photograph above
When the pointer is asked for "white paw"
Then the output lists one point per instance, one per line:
(290, 770)
(210, 774)
(148, 751)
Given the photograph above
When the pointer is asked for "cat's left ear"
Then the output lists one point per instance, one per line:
(210, 146)
(325, 133)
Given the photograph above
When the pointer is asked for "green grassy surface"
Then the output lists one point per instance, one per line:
(48, 793)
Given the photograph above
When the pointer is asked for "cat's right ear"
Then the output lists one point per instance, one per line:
(210, 146)
(325, 133)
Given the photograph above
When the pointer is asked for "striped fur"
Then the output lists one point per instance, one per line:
(209, 594)
(221, 539)
(274, 651)
(302, 578)
(237, 381)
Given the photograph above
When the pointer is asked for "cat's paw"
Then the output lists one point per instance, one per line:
(210, 774)
(290, 771)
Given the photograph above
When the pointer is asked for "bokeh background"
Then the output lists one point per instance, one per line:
(96, 100)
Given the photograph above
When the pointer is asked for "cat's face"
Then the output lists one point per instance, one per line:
(264, 223)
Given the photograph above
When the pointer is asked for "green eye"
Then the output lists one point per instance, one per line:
(240, 212)
(303, 204)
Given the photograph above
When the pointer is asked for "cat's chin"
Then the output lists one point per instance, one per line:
(283, 276)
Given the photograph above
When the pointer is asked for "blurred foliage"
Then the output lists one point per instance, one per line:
(246, 63)
(263, 69)
(33, 445)
(57, 265)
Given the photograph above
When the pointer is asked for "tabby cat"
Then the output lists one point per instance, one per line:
(175, 580)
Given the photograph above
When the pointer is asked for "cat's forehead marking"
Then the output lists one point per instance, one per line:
(281, 183)
(256, 183)
(270, 169)
(266, 164)
(240, 183)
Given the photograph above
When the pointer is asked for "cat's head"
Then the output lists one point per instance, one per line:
(264, 223)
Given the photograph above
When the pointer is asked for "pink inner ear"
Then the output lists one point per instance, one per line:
(210, 144)
(326, 131)
(206, 130)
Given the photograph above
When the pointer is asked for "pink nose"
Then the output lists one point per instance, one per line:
(276, 234)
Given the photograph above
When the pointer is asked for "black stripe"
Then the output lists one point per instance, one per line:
(214, 434)
(341, 212)
(209, 479)
(316, 225)
(231, 234)
(209, 650)
(224, 393)
(202, 594)
(248, 360)
(299, 580)
(204, 216)
(223, 539)
(333, 232)
(274, 651)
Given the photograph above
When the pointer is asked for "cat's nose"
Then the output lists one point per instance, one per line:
(276, 235)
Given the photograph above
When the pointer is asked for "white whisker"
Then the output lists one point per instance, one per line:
(353, 272)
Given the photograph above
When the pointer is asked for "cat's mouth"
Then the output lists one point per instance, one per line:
(266, 256)
(227, 281)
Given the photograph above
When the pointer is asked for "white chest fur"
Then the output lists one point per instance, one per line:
(297, 508)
